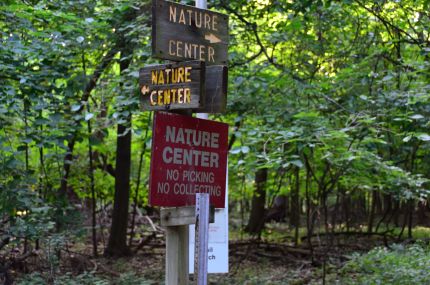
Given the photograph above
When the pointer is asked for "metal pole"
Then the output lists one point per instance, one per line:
(202, 215)
(201, 239)
(202, 4)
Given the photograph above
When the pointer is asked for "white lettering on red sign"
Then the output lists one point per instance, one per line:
(189, 156)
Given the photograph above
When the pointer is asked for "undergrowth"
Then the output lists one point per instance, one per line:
(398, 264)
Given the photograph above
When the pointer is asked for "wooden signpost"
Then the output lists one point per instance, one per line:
(189, 156)
(172, 86)
(216, 91)
(181, 32)
(183, 85)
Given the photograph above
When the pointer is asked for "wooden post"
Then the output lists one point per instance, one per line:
(177, 221)
(177, 255)
(201, 239)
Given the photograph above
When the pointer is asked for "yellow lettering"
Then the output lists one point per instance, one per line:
(173, 100)
(160, 77)
(174, 75)
(151, 98)
(180, 74)
(167, 75)
(187, 95)
(154, 77)
(180, 94)
(166, 96)
(160, 97)
(188, 73)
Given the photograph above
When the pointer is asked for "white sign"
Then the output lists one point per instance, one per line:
(218, 241)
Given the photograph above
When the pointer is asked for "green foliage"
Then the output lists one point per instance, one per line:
(325, 92)
(24, 213)
(398, 265)
(333, 94)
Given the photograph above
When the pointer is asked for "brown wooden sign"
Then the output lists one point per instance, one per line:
(215, 90)
(181, 32)
(172, 86)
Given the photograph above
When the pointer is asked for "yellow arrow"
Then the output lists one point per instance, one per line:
(144, 89)
(212, 38)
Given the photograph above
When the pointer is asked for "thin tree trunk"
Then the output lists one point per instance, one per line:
(309, 217)
(139, 172)
(335, 213)
(411, 214)
(295, 205)
(372, 212)
(117, 244)
(346, 204)
(387, 205)
(93, 191)
(405, 221)
(396, 212)
(256, 219)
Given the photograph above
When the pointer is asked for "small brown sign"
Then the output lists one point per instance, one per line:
(181, 32)
(215, 90)
(172, 86)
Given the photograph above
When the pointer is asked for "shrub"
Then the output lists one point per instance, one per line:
(398, 265)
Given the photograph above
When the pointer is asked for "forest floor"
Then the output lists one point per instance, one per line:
(249, 263)
(272, 259)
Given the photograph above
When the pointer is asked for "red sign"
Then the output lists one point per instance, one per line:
(189, 155)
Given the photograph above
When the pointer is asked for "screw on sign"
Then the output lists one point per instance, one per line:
(189, 156)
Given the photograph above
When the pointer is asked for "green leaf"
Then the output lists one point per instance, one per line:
(76, 108)
(424, 137)
(417, 117)
(406, 139)
(297, 163)
(88, 116)
(244, 149)
(306, 115)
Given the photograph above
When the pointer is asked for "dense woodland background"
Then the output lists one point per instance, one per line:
(329, 110)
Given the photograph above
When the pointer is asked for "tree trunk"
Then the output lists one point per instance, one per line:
(421, 214)
(346, 205)
(372, 211)
(295, 205)
(256, 219)
(411, 207)
(117, 244)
